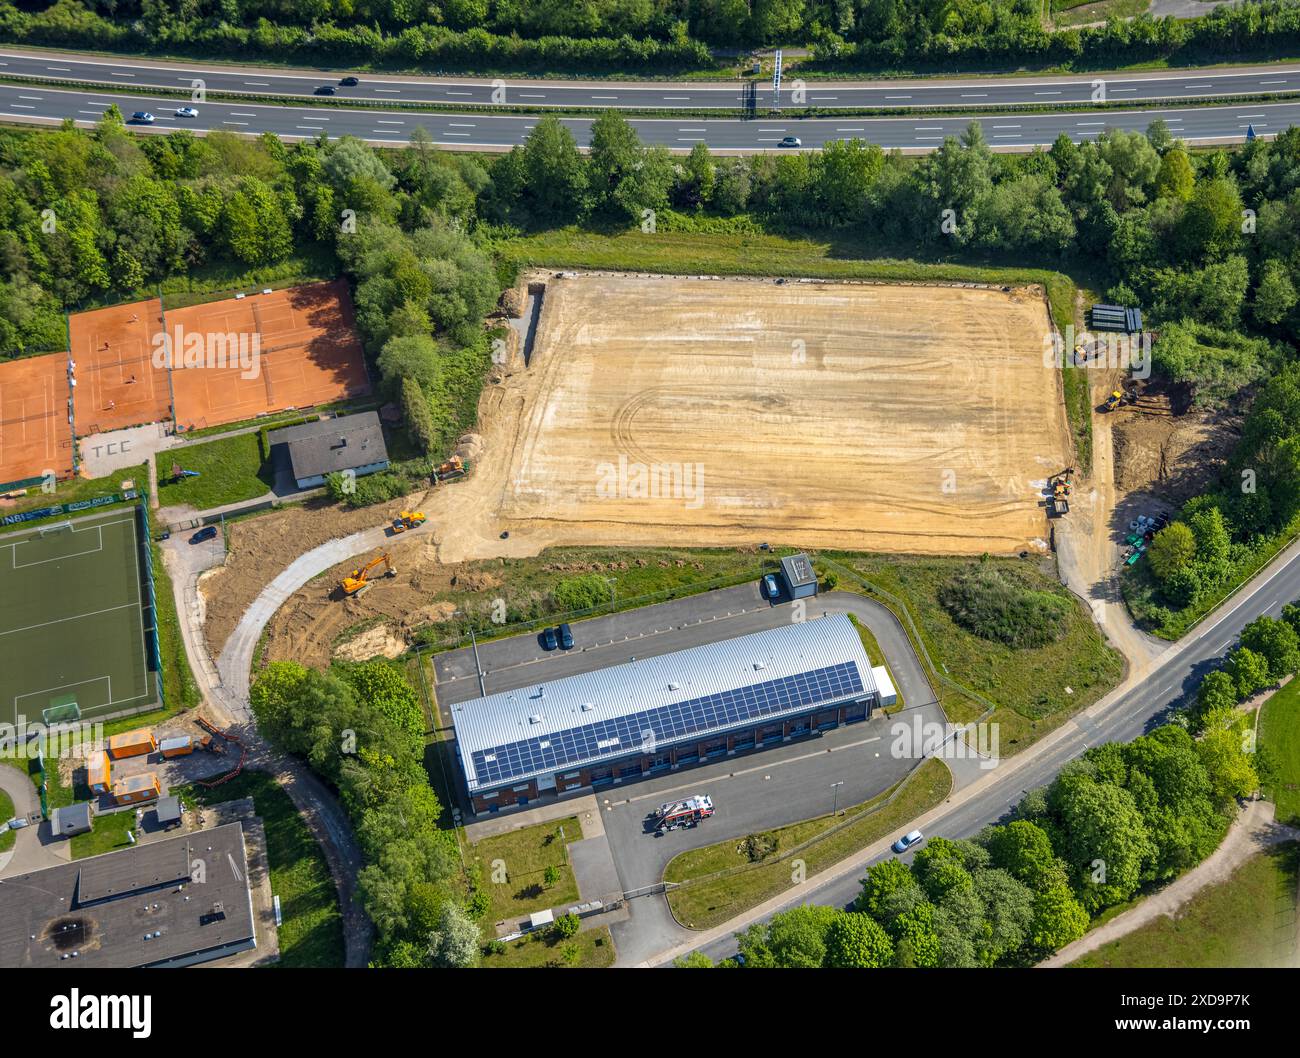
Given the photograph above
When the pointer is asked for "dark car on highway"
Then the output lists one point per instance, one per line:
(349, 82)
(326, 90)
(566, 637)
(549, 641)
(204, 534)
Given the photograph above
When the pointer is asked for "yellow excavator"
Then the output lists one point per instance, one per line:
(407, 520)
(359, 583)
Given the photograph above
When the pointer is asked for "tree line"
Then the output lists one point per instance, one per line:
(620, 36)
(1123, 817)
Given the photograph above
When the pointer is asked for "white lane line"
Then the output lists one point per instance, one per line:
(1090, 123)
(451, 93)
(99, 112)
(34, 99)
(234, 122)
(677, 99)
(259, 84)
(383, 121)
(1006, 135)
(389, 91)
(974, 95)
(456, 134)
(1259, 126)
(927, 137)
(604, 97)
(1047, 93)
(1261, 82)
(460, 125)
(690, 139)
(768, 139)
(817, 99)
(1006, 126)
(857, 129)
(118, 73)
(1198, 86)
(532, 95)
(898, 97)
(59, 69)
(1117, 91)
(241, 114)
(1252, 115)
(772, 130)
(318, 128)
(692, 130)
(928, 128)
(22, 106)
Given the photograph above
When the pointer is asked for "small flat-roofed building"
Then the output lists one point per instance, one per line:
(71, 819)
(99, 772)
(318, 449)
(137, 907)
(134, 789)
(132, 744)
(168, 811)
(653, 715)
(800, 580)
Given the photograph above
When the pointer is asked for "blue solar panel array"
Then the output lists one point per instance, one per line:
(610, 738)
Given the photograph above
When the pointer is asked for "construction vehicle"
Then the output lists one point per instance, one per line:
(455, 467)
(358, 583)
(678, 815)
(1113, 401)
(1061, 484)
(408, 520)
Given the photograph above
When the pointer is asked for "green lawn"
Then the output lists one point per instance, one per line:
(75, 489)
(179, 687)
(1247, 920)
(591, 950)
(704, 904)
(312, 931)
(7, 836)
(107, 834)
(513, 870)
(1028, 685)
(1098, 11)
(230, 468)
(1279, 736)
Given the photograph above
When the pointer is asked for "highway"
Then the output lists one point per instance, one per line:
(1163, 86)
(1122, 717)
(478, 131)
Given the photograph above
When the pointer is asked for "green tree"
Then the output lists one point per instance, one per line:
(455, 941)
(856, 941)
(1249, 672)
(1277, 642)
(1059, 919)
(554, 176)
(1172, 549)
(1275, 295)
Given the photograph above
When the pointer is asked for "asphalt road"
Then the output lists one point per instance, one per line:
(977, 92)
(497, 132)
(1129, 715)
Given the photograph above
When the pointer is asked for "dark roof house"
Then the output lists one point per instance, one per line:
(327, 446)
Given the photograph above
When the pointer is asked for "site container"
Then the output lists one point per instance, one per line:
(180, 746)
(132, 743)
(136, 788)
(98, 772)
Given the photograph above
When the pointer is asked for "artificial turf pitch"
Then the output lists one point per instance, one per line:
(71, 618)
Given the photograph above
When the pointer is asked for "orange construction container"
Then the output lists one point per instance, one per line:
(179, 746)
(132, 743)
(98, 772)
(136, 788)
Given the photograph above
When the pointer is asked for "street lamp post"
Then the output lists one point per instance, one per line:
(836, 787)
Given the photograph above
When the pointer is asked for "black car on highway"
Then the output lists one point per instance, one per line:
(349, 82)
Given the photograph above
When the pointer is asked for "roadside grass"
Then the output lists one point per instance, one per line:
(74, 490)
(1029, 685)
(590, 950)
(1247, 920)
(1080, 13)
(705, 901)
(180, 689)
(1279, 734)
(520, 859)
(311, 933)
(230, 469)
(874, 652)
(7, 836)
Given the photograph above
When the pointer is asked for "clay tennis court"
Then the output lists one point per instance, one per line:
(874, 416)
(309, 353)
(35, 435)
(117, 382)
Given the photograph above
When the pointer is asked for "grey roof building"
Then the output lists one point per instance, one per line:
(168, 810)
(646, 705)
(71, 819)
(800, 579)
(315, 449)
(174, 902)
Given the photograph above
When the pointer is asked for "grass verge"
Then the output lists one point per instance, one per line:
(706, 898)
(74, 490)
(873, 650)
(1279, 735)
(1247, 920)
(590, 950)
(7, 836)
(512, 868)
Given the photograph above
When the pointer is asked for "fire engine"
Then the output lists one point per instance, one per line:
(676, 815)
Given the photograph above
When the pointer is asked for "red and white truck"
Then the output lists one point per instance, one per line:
(676, 815)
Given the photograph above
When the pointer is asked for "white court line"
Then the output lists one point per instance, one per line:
(78, 617)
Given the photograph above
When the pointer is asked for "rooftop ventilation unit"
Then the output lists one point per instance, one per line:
(536, 718)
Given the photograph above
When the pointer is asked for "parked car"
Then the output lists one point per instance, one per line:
(908, 840)
(566, 637)
(17, 823)
(771, 588)
(549, 640)
(790, 141)
(187, 112)
(143, 117)
(206, 533)
(326, 90)
(349, 81)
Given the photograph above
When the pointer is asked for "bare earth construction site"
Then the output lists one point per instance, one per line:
(874, 416)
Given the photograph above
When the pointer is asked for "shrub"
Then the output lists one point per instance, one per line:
(580, 593)
(993, 605)
(566, 926)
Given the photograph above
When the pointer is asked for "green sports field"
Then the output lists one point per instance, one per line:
(71, 619)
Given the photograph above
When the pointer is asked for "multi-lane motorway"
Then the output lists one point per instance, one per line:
(481, 131)
(951, 94)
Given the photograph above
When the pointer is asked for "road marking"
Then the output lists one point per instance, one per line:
(819, 98)
(1261, 126)
(1198, 86)
(772, 130)
(389, 91)
(451, 93)
(690, 139)
(241, 114)
(1047, 93)
(234, 122)
(928, 128)
(259, 84)
(974, 95)
(1261, 82)
(1252, 115)
(317, 127)
(1006, 126)
(383, 121)
(1090, 123)
(35, 99)
(898, 97)
(857, 129)
(692, 130)
(64, 69)
(927, 137)
(1006, 135)
(460, 125)
(604, 97)
(532, 95)
(22, 106)
(117, 73)
(100, 112)
(677, 98)
(457, 134)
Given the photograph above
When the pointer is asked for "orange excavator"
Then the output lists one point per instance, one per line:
(358, 583)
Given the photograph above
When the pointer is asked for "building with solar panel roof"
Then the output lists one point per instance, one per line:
(652, 715)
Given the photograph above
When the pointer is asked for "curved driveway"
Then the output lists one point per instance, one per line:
(1165, 85)
(478, 131)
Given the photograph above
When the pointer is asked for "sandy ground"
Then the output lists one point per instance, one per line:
(845, 447)
(889, 418)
